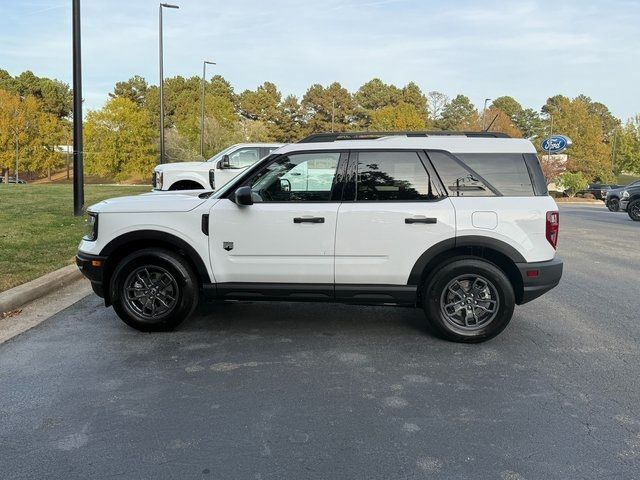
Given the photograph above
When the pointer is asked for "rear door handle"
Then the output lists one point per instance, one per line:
(308, 220)
(421, 220)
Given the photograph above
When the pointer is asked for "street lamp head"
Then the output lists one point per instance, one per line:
(168, 5)
(207, 62)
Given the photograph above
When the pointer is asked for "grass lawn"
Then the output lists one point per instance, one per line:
(38, 232)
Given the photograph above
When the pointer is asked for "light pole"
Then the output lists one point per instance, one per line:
(484, 111)
(204, 73)
(162, 5)
(333, 112)
(78, 160)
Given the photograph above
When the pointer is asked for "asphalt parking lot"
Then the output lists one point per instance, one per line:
(313, 391)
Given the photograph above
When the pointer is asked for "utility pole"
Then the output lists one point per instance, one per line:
(78, 170)
(333, 112)
(162, 5)
(202, 101)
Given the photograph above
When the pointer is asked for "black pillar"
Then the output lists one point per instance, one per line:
(78, 170)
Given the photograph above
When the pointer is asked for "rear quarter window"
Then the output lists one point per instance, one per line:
(506, 172)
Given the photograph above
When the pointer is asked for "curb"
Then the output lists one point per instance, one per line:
(28, 292)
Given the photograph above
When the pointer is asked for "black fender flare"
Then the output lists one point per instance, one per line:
(504, 248)
(159, 236)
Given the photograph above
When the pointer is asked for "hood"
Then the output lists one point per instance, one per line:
(166, 167)
(174, 202)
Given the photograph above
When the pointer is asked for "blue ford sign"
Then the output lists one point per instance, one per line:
(556, 144)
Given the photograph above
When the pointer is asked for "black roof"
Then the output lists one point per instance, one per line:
(335, 136)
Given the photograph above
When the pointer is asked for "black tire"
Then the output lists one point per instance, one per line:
(158, 300)
(438, 299)
(613, 204)
(633, 209)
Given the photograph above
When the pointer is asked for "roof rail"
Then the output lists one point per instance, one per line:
(332, 137)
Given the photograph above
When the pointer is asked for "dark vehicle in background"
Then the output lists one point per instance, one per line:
(630, 201)
(612, 199)
(13, 180)
(598, 190)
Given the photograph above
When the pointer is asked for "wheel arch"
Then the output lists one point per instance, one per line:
(121, 246)
(499, 253)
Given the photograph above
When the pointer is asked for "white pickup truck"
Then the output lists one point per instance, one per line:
(213, 173)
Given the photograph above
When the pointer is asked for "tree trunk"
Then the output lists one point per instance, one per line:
(6, 176)
(49, 173)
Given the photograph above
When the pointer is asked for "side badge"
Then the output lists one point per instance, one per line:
(228, 246)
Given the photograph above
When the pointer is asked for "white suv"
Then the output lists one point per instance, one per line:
(458, 224)
(213, 173)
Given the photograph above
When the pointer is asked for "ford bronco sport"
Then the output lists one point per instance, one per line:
(459, 224)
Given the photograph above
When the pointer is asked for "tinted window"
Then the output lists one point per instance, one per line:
(389, 176)
(506, 172)
(304, 177)
(458, 181)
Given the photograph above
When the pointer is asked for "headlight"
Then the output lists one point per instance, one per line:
(625, 194)
(212, 178)
(91, 227)
(159, 179)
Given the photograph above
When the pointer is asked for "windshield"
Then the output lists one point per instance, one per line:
(219, 155)
(249, 171)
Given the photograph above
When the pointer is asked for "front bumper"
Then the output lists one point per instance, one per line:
(92, 267)
(538, 278)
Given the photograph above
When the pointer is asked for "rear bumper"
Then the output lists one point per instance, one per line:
(92, 267)
(538, 278)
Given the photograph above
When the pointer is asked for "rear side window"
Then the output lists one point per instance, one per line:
(506, 172)
(393, 176)
(457, 179)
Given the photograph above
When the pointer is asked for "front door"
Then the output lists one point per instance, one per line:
(287, 236)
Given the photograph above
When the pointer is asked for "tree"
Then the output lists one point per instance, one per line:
(120, 140)
(458, 114)
(508, 105)
(54, 96)
(627, 146)
(497, 120)
(18, 129)
(135, 89)
(262, 105)
(403, 117)
(589, 154)
(528, 121)
(436, 101)
(322, 104)
(412, 95)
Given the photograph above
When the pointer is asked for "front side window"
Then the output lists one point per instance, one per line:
(301, 177)
(393, 176)
(244, 157)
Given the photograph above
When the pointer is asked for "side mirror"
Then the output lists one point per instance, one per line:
(243, 196)
(224, 163)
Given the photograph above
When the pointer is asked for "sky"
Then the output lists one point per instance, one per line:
(530, 50)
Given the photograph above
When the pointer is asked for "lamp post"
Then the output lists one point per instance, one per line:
(78, 161)
(202, 101)
(162, 5)
(484, 111)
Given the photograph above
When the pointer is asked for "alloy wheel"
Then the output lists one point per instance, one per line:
(469, 302)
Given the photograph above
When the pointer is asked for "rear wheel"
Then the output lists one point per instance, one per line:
(613, 204)
(633, 209)
(154, 290)
(468, 300)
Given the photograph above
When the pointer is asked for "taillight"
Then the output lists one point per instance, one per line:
(553, 227)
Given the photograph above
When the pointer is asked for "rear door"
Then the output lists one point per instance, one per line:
(396, 212)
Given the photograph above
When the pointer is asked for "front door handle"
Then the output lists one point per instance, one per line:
(421, 220)
(308, 220)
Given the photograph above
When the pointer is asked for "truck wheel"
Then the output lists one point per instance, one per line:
(154, 290)
(468, 300)
(613, 204)
(633, 209)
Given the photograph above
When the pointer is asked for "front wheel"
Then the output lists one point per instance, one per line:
(613, 204)
(468, 300)
(633, 209)
(154, 290)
